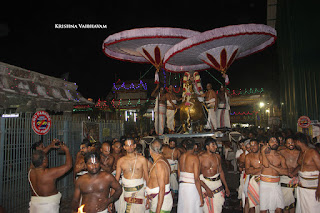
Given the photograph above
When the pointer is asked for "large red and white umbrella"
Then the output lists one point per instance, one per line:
(218, 48)
(144, 45)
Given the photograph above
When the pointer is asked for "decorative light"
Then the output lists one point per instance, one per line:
(13, 115)
(126, 115)
(244, 113)
(132, 86)
(261, 104)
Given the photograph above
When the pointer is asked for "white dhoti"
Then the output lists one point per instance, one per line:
(133, 196)
(170, 115)
(271, 196)
(49, 204)
(174, 185)
(214, 204)
(223, 116)
(159, 118)
(189, 199)
(117, 203)
(212, 115)
(153, 196)
(306, 199)
(288, 186)
(241, 185)
(245, 189)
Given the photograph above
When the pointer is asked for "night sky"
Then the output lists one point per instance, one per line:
(28, 39)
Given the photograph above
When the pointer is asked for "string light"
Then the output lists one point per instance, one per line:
(244, 113)
(129, 104)
(249, 91)
(132, 86)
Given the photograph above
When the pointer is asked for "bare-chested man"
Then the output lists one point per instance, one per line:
(212, 104)
(106, 159)
(246, 178)
(172, 154)
(45, 196)
(171, 108)
(117, 154)
(93, 188)
(40, 146)
(159, 109)
(273, 165)
(190, 194)
(212, 177)
(135, 170)
(308, 191)
(288, 185)
(223, 112)
(80, 166)
(240, 156)
(158, 189)
(253, 168)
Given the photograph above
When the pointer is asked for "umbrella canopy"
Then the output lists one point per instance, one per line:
(144, 45)
(218, 48)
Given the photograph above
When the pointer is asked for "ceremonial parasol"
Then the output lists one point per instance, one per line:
(218, 48)
(144, 45)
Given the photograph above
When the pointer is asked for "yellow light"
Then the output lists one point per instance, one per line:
(80, 209)
(267, 111)
(261, 104)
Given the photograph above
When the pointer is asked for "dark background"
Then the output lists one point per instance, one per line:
(28, 39)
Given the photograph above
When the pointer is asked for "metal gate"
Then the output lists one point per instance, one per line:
(16, 139)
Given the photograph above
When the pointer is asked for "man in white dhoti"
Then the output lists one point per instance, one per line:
(172, 154)
(212, 177)
(158, 188)
(212, 104)
(92, 189)
(288, 184)
(135, 173)
(190, 195)
(171, 109)
(45, 196)
(308, 191)
(274, 164)
(253, 168)
(240, 158)
(223, 112)
(288, 187)
(159, 109)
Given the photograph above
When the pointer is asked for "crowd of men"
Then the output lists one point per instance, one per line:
(279, 174)
(121, 176)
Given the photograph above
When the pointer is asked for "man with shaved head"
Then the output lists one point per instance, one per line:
(107, 160)
(158, 188)
(117, 154)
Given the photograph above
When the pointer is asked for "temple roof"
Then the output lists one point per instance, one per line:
(27, 91)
